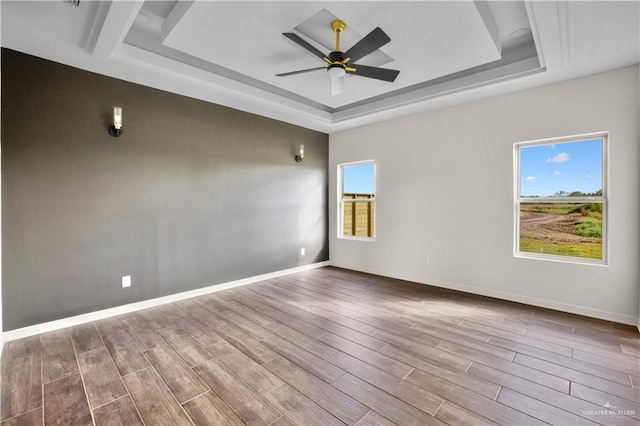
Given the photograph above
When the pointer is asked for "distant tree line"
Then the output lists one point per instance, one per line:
(565, 194)
(598, 193)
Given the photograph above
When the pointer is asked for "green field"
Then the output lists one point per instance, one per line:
(530, 244)
(571, 229)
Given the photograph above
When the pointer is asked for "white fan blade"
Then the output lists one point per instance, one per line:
(337, 84)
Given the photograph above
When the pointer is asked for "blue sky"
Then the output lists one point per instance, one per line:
(359, 178)
(571, 166)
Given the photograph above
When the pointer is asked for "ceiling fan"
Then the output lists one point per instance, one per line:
(340, 63)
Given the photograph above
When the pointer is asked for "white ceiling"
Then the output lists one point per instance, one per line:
(253, 44)
(229, 52)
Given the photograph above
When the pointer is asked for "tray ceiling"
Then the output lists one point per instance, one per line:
(229, 52)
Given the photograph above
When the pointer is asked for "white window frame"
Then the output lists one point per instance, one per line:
(341, 200)
(604, 199)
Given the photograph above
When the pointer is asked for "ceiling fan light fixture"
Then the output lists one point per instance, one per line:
(336, 71)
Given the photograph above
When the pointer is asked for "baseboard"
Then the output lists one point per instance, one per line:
(119, 310)
(512, 297)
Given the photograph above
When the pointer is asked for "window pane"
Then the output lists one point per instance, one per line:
(358, 183)
(566, 229)
(358, 179)
(358, 218)
(570, 169)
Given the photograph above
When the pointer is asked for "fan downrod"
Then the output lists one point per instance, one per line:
(338, 27)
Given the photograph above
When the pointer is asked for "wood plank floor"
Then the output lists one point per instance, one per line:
(325, 347)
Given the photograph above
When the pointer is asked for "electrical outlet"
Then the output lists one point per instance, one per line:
(426, 260)
(302, 251)
(126, 281)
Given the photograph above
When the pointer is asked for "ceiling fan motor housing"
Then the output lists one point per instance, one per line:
(336, 56)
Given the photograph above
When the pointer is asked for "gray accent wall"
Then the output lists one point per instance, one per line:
(192, 194)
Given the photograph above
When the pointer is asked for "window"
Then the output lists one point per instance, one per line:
(561, 198)
(357, 204)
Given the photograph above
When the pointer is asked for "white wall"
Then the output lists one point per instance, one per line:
(445, 190)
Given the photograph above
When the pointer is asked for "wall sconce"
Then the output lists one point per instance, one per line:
(116, 129)
(300, 154)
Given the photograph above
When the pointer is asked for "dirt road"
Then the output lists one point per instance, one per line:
(556, 227)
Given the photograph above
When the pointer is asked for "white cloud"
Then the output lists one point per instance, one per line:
(530, 179)
(560, 158)
(557, 173)
(588, 176)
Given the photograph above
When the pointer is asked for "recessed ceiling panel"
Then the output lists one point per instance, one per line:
(428, 40)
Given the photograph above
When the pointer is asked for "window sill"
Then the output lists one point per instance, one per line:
(352, 238)
(561, 259)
